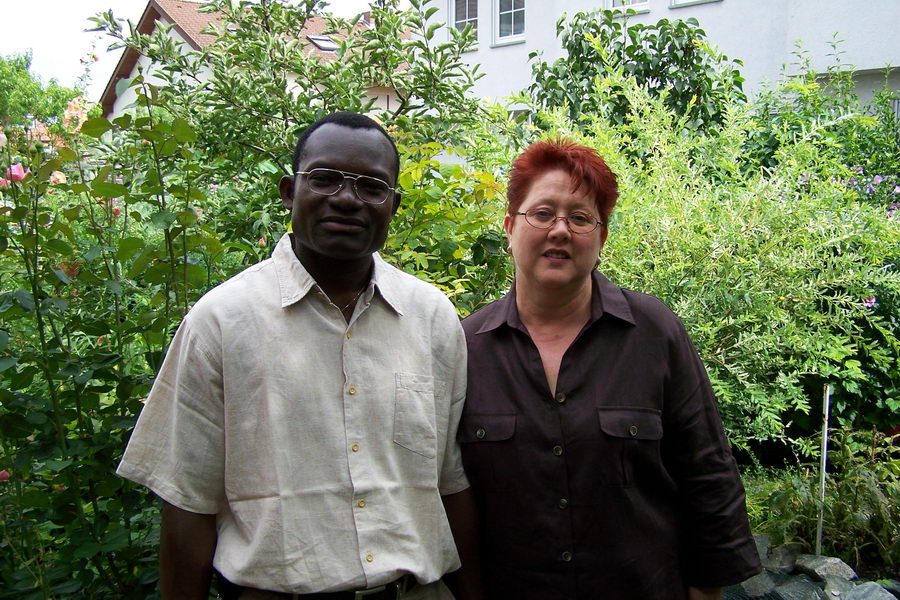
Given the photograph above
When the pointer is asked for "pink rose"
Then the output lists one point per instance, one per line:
(17, 172)
(4, 183)
(116, 211)
(262, 241)
(4, 475)
(3, 139)
(57, 177)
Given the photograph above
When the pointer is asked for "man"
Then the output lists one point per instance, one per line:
(301, 431)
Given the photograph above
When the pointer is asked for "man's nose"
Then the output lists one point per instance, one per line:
(346, 198)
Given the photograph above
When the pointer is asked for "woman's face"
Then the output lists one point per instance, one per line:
(554, 257)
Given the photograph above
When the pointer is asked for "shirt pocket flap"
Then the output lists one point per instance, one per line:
(486, 428)
(631, 423)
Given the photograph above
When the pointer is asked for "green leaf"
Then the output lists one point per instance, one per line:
(7, 362)
(58, 246)
(67, 154)
(183, 131)
(128, 247)
(96, 127)
(114, 286)
(106, 189)
(163, 219)
(61, 276)
(115, 540)
(187, 218)
(24, 299)
(4, 340)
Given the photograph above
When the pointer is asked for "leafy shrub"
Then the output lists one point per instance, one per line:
(862, 502)
(670, 59)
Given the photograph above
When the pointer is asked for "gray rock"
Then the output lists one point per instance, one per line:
(763, 541)
(835, 586)
(758, 585)
(800, 588)
(818, 567)
(868, 591)
(781, 559)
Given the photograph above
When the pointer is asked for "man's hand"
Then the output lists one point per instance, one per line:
(187, 542)
(704, 593)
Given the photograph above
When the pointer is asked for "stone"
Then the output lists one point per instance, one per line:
(781, 559)
(868, 591)
(758, 585)
(835, 586)
(763, 541)
(818, 567)
(800, 588)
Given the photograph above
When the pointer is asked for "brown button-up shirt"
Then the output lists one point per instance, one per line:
(621, 484)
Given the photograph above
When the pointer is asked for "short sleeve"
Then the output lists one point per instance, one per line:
(177, 448)
(452, 476)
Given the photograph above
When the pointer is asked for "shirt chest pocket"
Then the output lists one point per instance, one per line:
(414, 417)
(630, 443)
(488, 450)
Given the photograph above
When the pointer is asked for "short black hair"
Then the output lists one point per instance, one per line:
(345, 119)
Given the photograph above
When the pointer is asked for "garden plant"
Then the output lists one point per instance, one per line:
(771, 227)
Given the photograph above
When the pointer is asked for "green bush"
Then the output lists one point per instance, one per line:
(861, 522)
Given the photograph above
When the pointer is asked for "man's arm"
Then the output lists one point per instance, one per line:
(187, 543)
(465, 583)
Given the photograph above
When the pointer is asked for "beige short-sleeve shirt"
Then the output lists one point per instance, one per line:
(323, 447)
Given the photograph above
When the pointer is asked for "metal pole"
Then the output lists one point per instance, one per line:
(823, 461)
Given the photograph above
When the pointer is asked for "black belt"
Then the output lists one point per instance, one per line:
(390, 591)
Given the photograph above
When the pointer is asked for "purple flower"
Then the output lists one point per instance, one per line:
(870, 188)
(896, 190)
(858, 169)
(870, 301)
(877, 179)
(851, 181)
(804, 178)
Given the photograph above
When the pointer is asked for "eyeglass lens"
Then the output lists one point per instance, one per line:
(576, 221)
(328, 182)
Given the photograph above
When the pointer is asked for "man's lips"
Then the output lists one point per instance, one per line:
(342, 224)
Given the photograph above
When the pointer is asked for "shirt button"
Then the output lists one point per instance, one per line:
(557, 450)
(354, 446)
(370, 557)
(352, 390)
(563, 503)
(633, 430)
(479, 433)
(560, 397)
(566, 556)
(349, 335)
(361, 503)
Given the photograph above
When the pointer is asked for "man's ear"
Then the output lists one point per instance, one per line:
(286, 188)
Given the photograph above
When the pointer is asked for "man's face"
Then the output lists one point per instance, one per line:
(340, 226)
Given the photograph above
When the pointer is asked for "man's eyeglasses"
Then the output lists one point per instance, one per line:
(577, 222)
(329, 182)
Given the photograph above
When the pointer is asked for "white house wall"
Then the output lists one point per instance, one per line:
(762, 33)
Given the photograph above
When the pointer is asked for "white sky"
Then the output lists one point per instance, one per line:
(54, 30)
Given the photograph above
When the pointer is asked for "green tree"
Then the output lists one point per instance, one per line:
(671, 59)
(24, 99)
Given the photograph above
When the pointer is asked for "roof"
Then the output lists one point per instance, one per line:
(189, 22)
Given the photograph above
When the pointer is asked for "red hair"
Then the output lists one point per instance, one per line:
(583, 165)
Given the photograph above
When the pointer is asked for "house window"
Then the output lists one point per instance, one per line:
(680, 3)
(640, 6)
(465, 13)
(323, 42)
(509, 21)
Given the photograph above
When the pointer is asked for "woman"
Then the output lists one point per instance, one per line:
(590, 433)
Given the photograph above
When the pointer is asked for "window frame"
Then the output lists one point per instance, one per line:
(469, 19)
(516, 38)
(685, 3)
(639, 7)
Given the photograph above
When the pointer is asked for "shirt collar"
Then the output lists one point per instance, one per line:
(606, 298)
(295, 282)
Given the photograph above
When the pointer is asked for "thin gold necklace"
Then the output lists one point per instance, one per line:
(355, 298)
